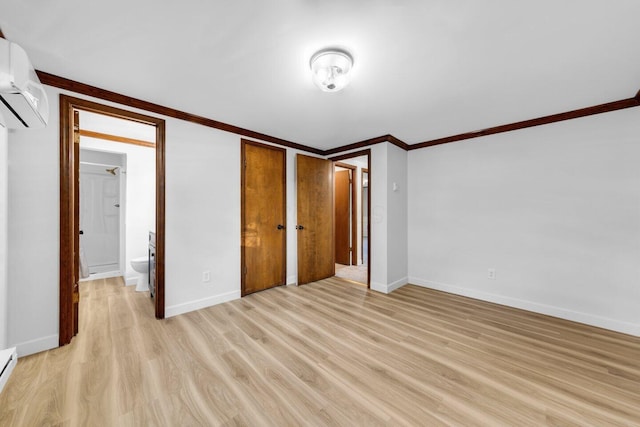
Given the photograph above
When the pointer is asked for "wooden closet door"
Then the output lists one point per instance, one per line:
(263, 217)
(314, 179)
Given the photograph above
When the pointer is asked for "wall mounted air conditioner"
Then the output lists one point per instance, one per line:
(23, 101)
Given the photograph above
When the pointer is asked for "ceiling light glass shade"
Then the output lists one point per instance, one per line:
(330, 69)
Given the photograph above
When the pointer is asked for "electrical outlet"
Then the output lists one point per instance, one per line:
(491, 274)
(206, 276)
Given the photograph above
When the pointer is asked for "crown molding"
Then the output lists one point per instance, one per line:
(568, 115)
(88, 90)
(367, 143)
(107, 95)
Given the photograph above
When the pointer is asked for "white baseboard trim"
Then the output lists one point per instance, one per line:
(186, 307)
(397, 284)
(378, 287)
(292, 280)
(549, 310)
(37, 345)
(388, 288)
(131, 281)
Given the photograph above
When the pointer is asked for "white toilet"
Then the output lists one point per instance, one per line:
(141, 265)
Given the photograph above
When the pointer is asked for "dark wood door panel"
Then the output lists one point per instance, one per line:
(263, 217)
(314, 179)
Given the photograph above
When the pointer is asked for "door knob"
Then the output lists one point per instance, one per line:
(299, 227)
(81, 232)
(280, 227)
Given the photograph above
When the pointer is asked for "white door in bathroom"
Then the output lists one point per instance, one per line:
(100, 217)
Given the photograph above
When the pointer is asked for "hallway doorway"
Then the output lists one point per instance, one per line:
(352, 207)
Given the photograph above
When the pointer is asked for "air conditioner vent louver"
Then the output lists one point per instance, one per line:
(23, 101)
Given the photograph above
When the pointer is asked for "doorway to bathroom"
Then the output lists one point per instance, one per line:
(103, 211)
(117, 198)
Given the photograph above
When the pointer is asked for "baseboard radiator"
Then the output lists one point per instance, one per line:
(8, 360)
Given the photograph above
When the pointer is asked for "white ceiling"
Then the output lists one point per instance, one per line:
(424, 69)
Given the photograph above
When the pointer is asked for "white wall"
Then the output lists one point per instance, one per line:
(202, 216)
(554, 209)
(397, 222)
(4, 198)
(34, 235)
(140, 196)
(378, 239)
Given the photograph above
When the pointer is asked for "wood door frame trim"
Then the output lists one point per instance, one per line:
(67, 105)
(362, 172)
(116, 138)
(354, 210)
(366, 152)
(243, 144)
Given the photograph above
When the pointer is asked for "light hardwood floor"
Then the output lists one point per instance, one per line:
(327, 353)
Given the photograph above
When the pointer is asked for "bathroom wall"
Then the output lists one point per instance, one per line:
(4, 199)
(554, 209)
(140, 178)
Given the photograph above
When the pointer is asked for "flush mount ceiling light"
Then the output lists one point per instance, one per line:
(330, 69)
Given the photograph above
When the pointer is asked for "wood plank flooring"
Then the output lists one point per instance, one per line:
(327, 353)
